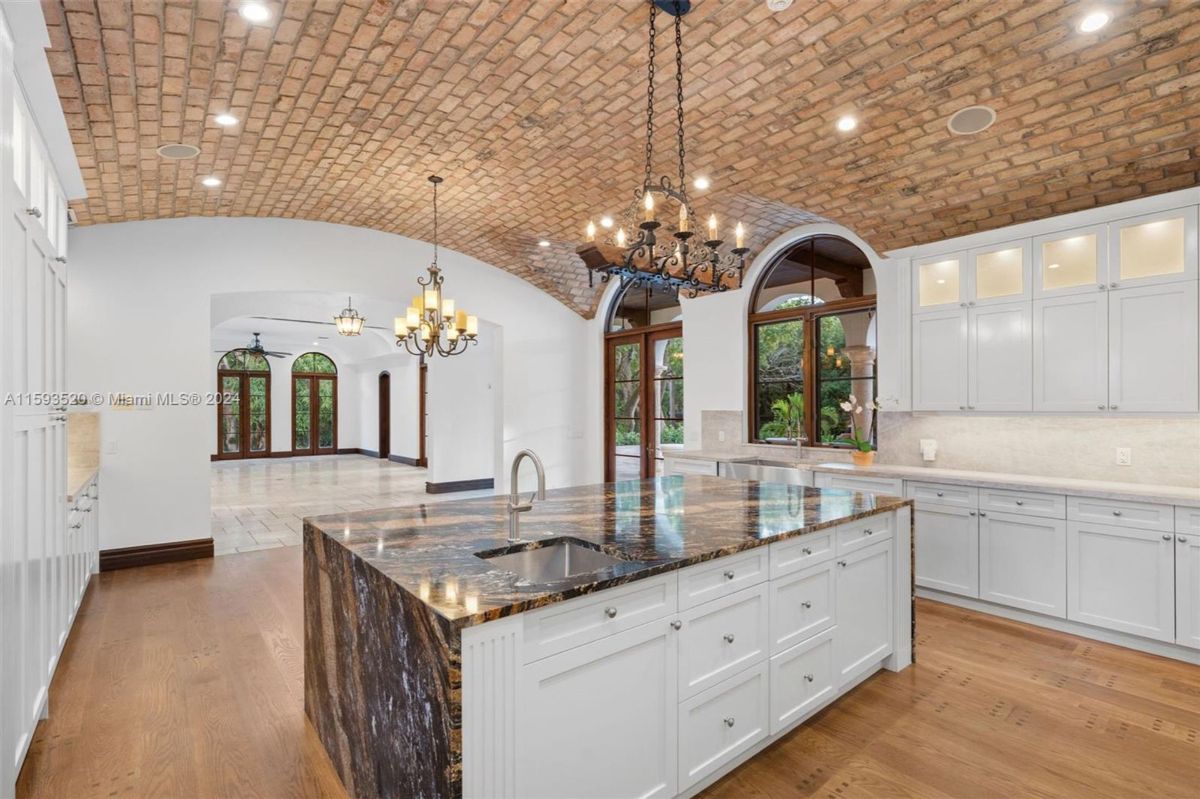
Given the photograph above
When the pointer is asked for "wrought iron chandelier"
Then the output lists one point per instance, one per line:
(680, 260)
(348, 322)
(431, 326)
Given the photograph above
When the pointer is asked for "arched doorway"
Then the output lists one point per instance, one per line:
(314, 405)
(244, 407)
(385, 415)
(643, 381)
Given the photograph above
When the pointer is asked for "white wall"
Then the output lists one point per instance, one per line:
(139, 320)
(404, 406)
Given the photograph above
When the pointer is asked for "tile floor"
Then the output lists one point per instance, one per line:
(260, 504)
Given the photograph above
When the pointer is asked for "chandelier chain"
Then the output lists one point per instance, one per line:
(679, 90)
(435, 223)
(650, 100)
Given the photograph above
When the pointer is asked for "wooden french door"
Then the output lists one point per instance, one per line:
(314, 414)
(643, 400)
(244, 415)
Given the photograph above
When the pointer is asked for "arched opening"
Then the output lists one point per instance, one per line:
(244, 406)
(643, 380)
(385, 415)
(813, 345)
(314, 405)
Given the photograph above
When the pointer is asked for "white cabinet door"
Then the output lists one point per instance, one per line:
(718, 725)
(940, 361)
(1070, 261)
(1122, 579)
(722, 637)
(1000, 273)
(863, 636)
(599, 721)
(947, 541)
(1154, 248)
(1153, 348)
(1070, 353)
(1023, 562)
(941, 281)
(1000, 360)
(1187, 590)
(802, 605)
(802, 680)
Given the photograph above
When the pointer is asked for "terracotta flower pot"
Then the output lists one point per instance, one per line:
(863, 458)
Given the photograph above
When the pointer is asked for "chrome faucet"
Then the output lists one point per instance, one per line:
(515, 506)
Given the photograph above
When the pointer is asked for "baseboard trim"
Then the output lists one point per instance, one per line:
(459, 485)
(150, 554)
(351, 451)
(407, 461)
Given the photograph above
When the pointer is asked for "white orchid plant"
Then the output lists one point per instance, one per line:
(860, 441)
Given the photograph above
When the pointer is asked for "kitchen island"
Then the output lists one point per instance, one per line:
(666, 631)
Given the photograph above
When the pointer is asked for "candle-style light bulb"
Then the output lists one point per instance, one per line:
(683, 218)
(712, 227)
(418, 302)
(448, 309)
(401, 325)
(472, 326)
(739, 235)
(591, 231)
(621, 237)
(460, 320)
(412, 318)
(649, 207)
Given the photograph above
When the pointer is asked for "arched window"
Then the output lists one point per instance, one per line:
(812, 344)
(244, 410)
(643, 380)
(314, 405)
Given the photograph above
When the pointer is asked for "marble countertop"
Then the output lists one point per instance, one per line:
(1099, 489)
(659, 525)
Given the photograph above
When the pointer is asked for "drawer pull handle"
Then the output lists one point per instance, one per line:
(729, 721)
(1116, 513)
(983, 513)
(1167, 537)
(808, 678)
(36, 213)
(676, 625)
(842, 563)
(1020, 502)
(610, 612)
(941, 494)
(868, 531)
(729, 575)
(729, 638)
(806, 550)
(807, 605)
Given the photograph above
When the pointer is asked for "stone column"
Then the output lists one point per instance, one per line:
(862, 365)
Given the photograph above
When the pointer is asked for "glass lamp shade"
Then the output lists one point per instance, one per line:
(348, 322)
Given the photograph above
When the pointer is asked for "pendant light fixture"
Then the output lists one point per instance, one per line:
(348, 322)
(431, 326)
(682, 260)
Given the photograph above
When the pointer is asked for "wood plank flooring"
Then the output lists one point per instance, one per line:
(185, 680)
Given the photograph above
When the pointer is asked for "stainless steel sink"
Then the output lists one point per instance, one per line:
(764, 471)
(552, 562)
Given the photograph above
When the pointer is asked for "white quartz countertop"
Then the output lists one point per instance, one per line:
(1100, 489)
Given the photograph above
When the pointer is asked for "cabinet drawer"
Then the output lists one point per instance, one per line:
(690, 466)
(801, 680)
(579, 621)
(863, 532)
(1028, 503)
(942, 494)
(722, 637)
(718, 725)
(864, 485)
(722, 577)
(1142, 515)
(802, 605)
(1187, 520)
(796, 554)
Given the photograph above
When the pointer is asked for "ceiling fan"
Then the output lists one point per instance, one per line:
(257, 348)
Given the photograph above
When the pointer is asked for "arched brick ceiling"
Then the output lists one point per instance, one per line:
(533, 111)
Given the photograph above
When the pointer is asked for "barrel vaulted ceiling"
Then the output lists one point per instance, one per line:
(534, 113)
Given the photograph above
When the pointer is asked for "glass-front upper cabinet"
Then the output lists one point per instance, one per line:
(939, 282)
(1000, 273)
(1155, 248)
(1071, 261)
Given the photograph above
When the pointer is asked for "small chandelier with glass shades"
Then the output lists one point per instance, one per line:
(431, 325)
(349, 322)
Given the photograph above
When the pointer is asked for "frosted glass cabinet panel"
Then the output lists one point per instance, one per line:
(1071, 262)
(1154, 248)
(1001, 273)
(938, 282)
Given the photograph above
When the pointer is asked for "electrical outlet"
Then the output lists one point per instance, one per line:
(721, 436)
(1124, 456)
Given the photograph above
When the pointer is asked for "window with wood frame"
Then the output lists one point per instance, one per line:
(812, 344)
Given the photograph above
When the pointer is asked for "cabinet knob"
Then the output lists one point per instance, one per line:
(962, 407)
(1020, 502)
(806, 550)
(1167, 537)
(61, 259)
(1181, 539)
(728, 638)
(971, 304)
(962, 305)
(941, 494)
(1112, 407)
(729, 575)
(842, 563)
(1112, 285)
(1101, 407)
(1101, 287)
(677, 624)
(808, 678)
(982, 513)
(610, 612)
(868, 531)
(1116, 513)
(36, 213)
(972, 513)
(808, 605)
(729, 721)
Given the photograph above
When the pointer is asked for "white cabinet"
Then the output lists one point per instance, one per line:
(717, 726)
(722, 637)
(1070, 261)
(947, 543)
(999, 357)
(1000, 273)
(1153, 248)
(599, 721)
(1152, 343)
(1023, 562)
(1070, 353)
(802, 605)
(802, 680)
(890, 486)
(1187, 590)
(864, 598)
(939, 282)
(1121, 578)
(940, 355)
(677, 466)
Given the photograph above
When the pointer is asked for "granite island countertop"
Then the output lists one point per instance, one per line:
(657, 525)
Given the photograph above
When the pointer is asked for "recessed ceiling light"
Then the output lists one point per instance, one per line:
(255, 12)
(1052, 266)
(606, 221)
(543, 243)
(701, 183)
(972, 119)
(779, 5)
(211, 181)
(178, 152)
(1094, 21)
(225, 119)
(847, 124)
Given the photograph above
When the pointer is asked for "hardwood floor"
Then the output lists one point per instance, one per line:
(185, 680)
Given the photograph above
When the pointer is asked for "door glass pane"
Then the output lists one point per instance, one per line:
(626, 397)
(258, 414)
(231, 410)
(1152, 248)
(325, 401)
(999, 274)
(779, 380)
(667, 391)
(938, 282)
(1069, 262)
(303, 413)
(845, 367)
